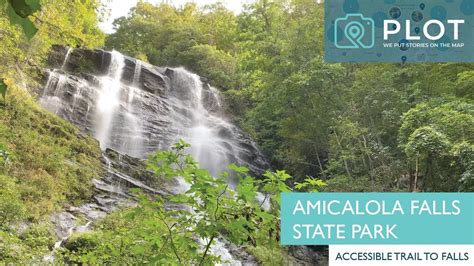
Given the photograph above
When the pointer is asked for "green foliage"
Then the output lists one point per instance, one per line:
(11, 248)
(464, 153)
(208, 61)
(426, 141)
(437, 139)
(12, 208)
(3, 88)
(311, 184)
(73, 23)
(18, 12)
(28, 247)
(83, 241)
(45, 164)
(464, 84)
(154, 234)
(38, 236)
(52, 162)
(201, 40)
(268, 255)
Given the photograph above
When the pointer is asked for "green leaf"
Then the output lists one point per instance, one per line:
(3, 88)
(24, 8)
(35, 5)
(265, 216)
(246, 189)
(18, 12)
(238, 169)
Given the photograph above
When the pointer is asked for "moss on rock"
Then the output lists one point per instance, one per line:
(51, 162)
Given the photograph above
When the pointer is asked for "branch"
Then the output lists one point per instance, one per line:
(264, 199)
(217, 201)
(171, 238)
(207, 249)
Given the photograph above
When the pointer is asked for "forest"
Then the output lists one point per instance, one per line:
(342, 127)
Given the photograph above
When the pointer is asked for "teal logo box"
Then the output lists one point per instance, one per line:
(404, 31)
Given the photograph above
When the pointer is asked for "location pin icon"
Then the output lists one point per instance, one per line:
(417, 30)
(404, 59)
(354, 32)
(422, 6)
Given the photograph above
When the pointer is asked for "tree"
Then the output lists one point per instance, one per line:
(436, 137)
(200, 39)
(216, 65)
(72, 23)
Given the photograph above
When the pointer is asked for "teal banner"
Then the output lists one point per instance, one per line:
(399, 31)
(377, 218)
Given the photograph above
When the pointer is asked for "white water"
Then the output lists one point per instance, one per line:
(66, 58)
(218, 248)
(133, 113)
(108, 101)
(202, 127)
(117, 122)
(78, 229)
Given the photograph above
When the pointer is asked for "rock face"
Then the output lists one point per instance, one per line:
(136, 108)
(309, 255)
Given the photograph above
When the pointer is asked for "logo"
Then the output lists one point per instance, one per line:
(357, 32)
(440, 29)
(405, 31)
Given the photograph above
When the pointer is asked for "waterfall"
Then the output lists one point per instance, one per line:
(66, 58)
(134, 109)
(109, 99)
(133, 143)
(137, 73)
(201, 129)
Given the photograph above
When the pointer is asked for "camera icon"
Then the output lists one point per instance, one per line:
(354, 31)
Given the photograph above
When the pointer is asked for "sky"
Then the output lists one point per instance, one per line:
(120, 8)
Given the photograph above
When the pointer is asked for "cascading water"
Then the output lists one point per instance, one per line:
(133, 143)
(66, 58)
(109, 100)
(199, 127)
(135, 109)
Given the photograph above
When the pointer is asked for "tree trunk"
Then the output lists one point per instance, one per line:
(346, 165)
(369, 158)
(416, 175)
(320, 163)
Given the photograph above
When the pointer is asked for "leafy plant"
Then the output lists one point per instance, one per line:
(3, 88)
(182, 228)
(311, 184)
(18, 12)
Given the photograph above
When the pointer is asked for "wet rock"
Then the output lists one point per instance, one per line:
(212, 100)
(307, 255)
(124, 172)
(57, 56)
(80, 60)
(63, 223)
(241, 255)
(92, 212)
(157, 106)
